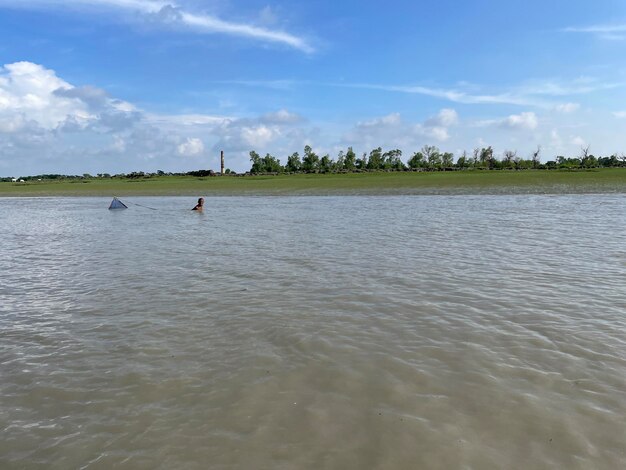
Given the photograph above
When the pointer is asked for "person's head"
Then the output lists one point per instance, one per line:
(201, 201)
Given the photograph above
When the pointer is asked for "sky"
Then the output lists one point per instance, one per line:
(110, 86)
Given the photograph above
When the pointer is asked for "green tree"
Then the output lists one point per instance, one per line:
(271, 164)
(608, 162)
(257, 162)
(536, 157)
(486, 157)
(293, 162)
(462, 161)
(340, 163)
(447, 160)
(508, 160)
(310, 161)
(523, 163)
(326, 164)
(475, 160)
(350, 160)
(418, 160)
(375, 161)
(392, 160)
(433, 156)
(361, 163)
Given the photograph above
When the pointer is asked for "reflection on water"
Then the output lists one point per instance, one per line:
(314, 332)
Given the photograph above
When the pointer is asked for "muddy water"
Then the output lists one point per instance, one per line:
(314, 333)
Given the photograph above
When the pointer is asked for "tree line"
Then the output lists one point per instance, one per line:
(131, 175)
(428, 158)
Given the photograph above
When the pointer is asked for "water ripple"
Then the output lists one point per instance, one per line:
(314, 332)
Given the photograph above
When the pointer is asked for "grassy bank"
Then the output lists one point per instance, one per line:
(610, 180)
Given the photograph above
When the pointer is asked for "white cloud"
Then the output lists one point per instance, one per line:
(258, 136)
(578, 140)
(445, 118)
(620, 114)
(525, 121)
(27, 94)
(436, 127)
(281, 116)
(170, 121)
(567, 108)
(612, 32)
(534, 93)
(392, 131)
(556, 88)
(453, 95)
(191, 147)
(172, 14)
(435, 132)
(50, 125)
(31, 95)
(392, 119)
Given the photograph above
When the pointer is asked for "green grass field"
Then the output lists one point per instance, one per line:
(611, 180)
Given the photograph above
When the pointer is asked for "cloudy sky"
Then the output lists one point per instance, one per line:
(128, 85)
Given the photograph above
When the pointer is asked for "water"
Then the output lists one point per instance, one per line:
(401, 332)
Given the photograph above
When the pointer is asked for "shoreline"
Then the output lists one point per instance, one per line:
(528, 182)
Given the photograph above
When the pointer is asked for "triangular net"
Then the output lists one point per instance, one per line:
(117, 204)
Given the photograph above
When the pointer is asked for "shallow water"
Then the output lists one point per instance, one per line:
(399, 332)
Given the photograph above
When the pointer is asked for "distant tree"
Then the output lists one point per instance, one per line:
(475, 157)
(340, 163)
(200, 173)
(608, 162)
(392, 160)
(486, 157)
(310, 161)
(509, 157)
(433, 156)
(523, 163)
(462, 161)
(271, 164)
(418, 160)
(257, 162)
(349, 162)
(326, 164)
(361, 163)
(160, 172)
(584, 156)
(447, 160)
(535, 157)
(293, 162)
(375, 161)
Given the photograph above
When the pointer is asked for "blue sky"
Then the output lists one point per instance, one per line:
(121, 85)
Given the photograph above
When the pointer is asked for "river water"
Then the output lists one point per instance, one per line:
(391, 332)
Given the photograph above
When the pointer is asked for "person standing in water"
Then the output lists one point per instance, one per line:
(200, 205)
